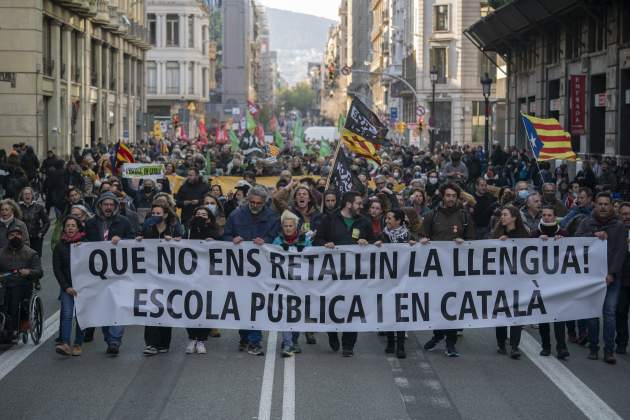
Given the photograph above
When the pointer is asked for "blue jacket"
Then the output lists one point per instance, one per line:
(573, 213)
(248, 226)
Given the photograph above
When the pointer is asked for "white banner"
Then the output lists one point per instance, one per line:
(143, 170)
(395, 287)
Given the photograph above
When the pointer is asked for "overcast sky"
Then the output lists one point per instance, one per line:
(323, 8)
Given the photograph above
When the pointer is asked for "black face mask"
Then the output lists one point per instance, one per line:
(16, 243)
(148, 189)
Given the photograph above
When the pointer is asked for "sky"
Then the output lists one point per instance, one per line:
(323, 8)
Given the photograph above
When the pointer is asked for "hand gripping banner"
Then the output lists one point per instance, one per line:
(395, 287)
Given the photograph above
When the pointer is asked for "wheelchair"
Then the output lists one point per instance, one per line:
(31, 316)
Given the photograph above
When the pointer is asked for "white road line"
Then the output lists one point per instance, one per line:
(576, 391)
(12, 357)
(288, 391)
(266, 389)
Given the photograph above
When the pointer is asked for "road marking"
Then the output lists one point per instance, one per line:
(266, 389)
(576, 391)
(12, 357)
(288, 392)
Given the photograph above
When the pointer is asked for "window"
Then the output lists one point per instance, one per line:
(172, 30)
(125, 75)
(479, 121)
(140, 75)
(112, 69)
(440, 18)
(172, 77)
(438, 60)
(74, 51)
(191, 31)
(596, 34)
(191, 78)
(204, 40)
(151, 77)
(625, 22)
(204, 82)
(487, 66)
(574, 38)
(152, 23)
(93, 69)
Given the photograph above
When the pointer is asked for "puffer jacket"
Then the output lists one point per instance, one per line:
(16, 259)
(248, 226)
(116, 225)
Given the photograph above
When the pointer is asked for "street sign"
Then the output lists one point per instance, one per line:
(393, 113)
(345, 70)
(600, 100)
(420, 111)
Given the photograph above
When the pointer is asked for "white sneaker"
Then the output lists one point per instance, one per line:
(192, 345)
(201, 347)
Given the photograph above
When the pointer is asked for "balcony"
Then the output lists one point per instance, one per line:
(113, 20)
(102, 12)
(139, 35)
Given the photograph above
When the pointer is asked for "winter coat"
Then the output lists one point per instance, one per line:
(61, 264)
(333, 229)
(16, 259)
(174, 230)
(447, 224)
(5, 228)
(36, 219)
(483, 210)
(302, 242)
(248, 226)
(617, 245)
(205, 231)
(116, 225)
(189, 192)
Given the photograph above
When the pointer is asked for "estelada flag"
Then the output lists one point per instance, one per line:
(363, 133)
(253, 109)
(547, 139)
(121, 154)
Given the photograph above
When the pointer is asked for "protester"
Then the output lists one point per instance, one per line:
(485, 205)
(162, 224)
(548, 228)
(35, 218)
(449, 222)
(10, 217)
(604, 224)
(291, 239)
(530, 212)
(73, 232)
(191, 193)
(396, 231)
(257, 223)
(623, 306)
(344, 227)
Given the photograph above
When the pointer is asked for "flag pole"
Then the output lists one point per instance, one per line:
(332, 168)
(542, 181)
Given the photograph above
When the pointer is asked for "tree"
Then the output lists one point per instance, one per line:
(300, 97)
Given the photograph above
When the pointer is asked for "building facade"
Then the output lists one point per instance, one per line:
(574, 66)
(72, 72)
(178, 64)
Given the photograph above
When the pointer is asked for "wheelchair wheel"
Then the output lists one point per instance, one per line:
(36, 318)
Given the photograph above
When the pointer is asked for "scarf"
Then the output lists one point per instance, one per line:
(290, 240)
(548, 229)
(398, 235)
(74, 238)
(7, 222)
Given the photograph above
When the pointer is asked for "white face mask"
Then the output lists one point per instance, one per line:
(213, 209)
(433, 180)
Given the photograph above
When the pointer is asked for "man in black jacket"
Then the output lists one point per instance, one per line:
(623, 305)
(344, 227)
(190, 194)
(485, 205)
(108, 225)
(605, 225)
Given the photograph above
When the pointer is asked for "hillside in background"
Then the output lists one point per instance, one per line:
(298, 39)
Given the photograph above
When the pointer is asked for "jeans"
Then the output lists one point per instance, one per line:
(289, 338)
(67, 315)
(581, 328)
(113, 334)
(515, 335)
(621, 323)
(251, 337)
(610, 307)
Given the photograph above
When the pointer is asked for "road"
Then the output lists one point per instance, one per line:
(36, 383)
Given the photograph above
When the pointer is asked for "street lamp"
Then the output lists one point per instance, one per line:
(433, 75)
(486, 84)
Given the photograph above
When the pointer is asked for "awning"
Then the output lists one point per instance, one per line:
(507, 25)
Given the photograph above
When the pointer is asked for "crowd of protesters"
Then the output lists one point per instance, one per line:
(456, 193)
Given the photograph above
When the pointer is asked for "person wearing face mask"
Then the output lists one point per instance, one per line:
(623, 305)
(549, 199)
(521, 189)
(216, 209)
(10, 217)
(25, 265)
(604, 224)
(202, 227)
(455, 170)
(330, 202)
(190, 194)
(144, 196)
(432, 189)
(257, 223)
(548, 228)
(162, 224)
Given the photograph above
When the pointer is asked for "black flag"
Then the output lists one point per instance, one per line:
(342, 177)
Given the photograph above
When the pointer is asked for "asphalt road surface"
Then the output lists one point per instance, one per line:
(36, 383)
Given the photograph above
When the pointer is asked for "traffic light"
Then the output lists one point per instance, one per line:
(420, 124)
(331, 71)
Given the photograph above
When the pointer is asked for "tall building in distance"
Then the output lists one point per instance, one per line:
(178, 64)
(72, 73)
(249, 66)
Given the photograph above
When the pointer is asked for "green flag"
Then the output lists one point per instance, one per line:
(234, 141)
(298, 135)
(250, 123)
(324, 149)
(341, 122)
(278, 139)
